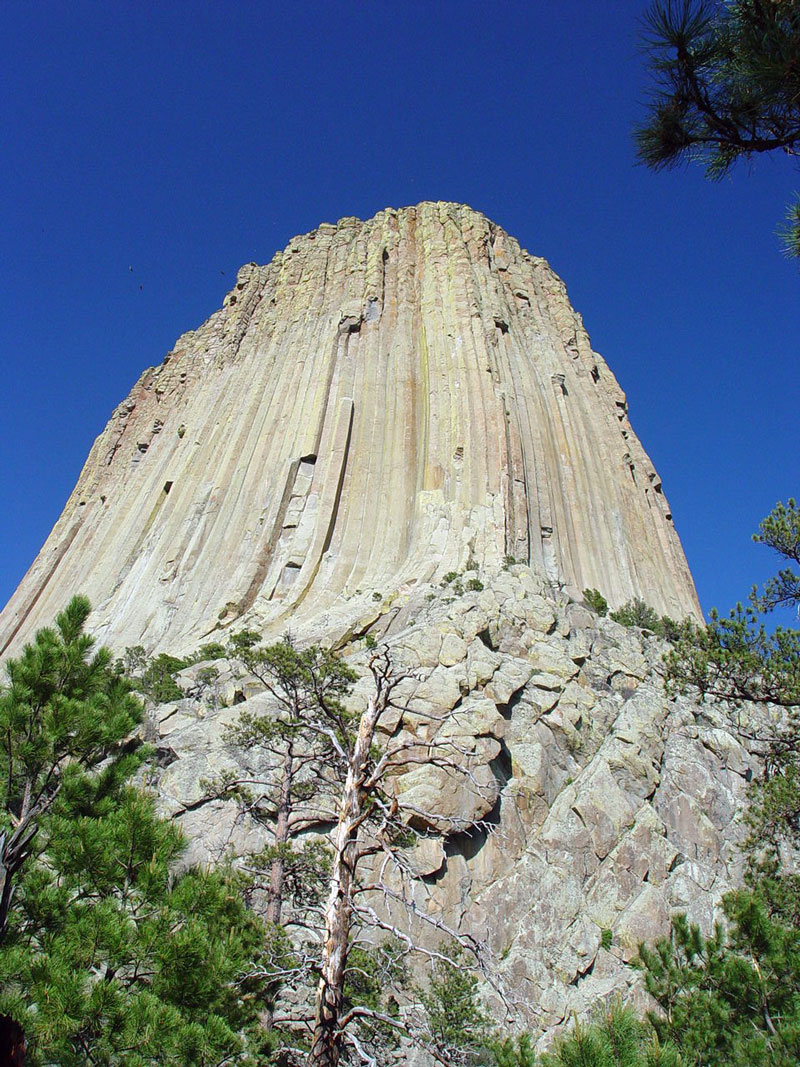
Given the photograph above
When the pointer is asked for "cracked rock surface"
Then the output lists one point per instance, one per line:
(593, 804)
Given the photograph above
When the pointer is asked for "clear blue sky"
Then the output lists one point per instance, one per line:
(184, 139)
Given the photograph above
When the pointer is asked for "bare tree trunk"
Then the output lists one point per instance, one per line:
(13, 853)
(277, 871)
(326, 1044)
(12, 1043)
(5, 887)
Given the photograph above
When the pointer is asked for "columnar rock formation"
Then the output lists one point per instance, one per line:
(385, 402)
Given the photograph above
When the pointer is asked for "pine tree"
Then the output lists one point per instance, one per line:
(456, 1026)
(108, 955)
(733, 997)
(614, 1037)
(737, 659)
(303, 740)
(617, 1039)
(726, 86)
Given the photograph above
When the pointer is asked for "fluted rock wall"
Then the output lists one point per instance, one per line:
(385, 402)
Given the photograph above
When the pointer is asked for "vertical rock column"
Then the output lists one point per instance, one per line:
(382, 403)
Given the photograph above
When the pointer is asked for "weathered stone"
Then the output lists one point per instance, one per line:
(552, 668)
(439, 692)
(175, 721)
(438, 799)
(423, 646)
(481, 664)
(647, 919)
(507, 680)
(580, 618)
(427, 857)
(694, 833)
(604, 807)
(381, 404)
(474, 717)
(453, 650)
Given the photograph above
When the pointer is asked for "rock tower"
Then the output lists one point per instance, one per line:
(383, 403)
(387, 402)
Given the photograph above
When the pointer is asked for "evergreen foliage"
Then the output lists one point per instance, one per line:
(374, 974)
(303, 744)
(456, 1028)
(213, 650)
(514, 1052)
(726, 82)
(292, 762)
(780, 530)
(734, 997)
(731, 999)
(312, 766)
(62, 714)
(637, 613)
(595, 600)
(153, 677)
(617, 1039)
(108, 956)
(736, 658)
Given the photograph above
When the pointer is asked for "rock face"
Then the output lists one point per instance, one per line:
(385, 402)
(597, 806)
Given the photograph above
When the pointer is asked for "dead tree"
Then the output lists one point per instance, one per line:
(300, 740)
(373, 825)
(353, 812)
(330, 772)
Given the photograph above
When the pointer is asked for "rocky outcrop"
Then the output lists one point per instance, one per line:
(597, 806)
(385, 402)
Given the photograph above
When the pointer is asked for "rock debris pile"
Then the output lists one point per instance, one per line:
(597, 806)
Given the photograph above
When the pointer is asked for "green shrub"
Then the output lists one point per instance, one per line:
(207, 675)
(595, 601)
(153, 677)
(515, 1052)
(242, 642)
(214, 650)
(475, 585)
(637, 613)
(617, 1038)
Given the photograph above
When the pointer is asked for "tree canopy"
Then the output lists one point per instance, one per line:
(733, 997)
(726, 86)
(110, 953)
